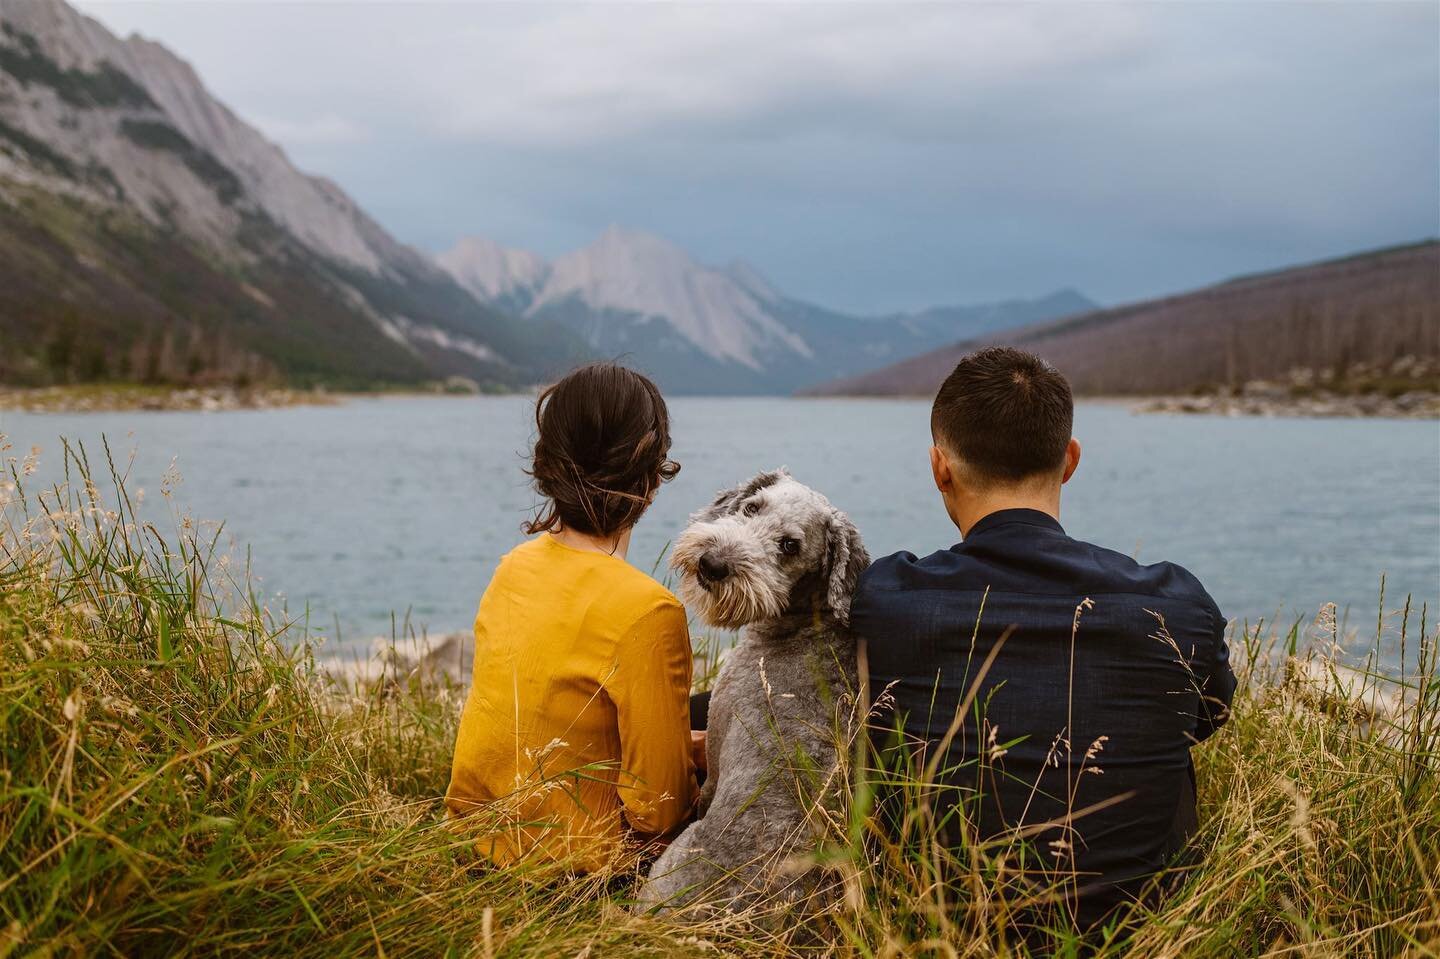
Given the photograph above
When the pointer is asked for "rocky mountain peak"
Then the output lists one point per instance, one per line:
(322, 217)
(125, 131)
(71, 39)
(705, 329)
(753, 280)
(635, 273)
(494, 272)
(627, 249)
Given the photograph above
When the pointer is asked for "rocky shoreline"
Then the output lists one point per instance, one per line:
(1410, 406)
(1409, 388)
(126, 397)
(106, 399)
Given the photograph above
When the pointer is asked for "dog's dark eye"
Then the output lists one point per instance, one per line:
(790, 547)
(751, 508)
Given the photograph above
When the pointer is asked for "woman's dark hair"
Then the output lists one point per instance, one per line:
(602, 449)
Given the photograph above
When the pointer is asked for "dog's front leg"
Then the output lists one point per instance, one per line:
(714, 738)
(721, 715)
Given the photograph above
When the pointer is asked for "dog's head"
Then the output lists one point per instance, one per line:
(767, 546)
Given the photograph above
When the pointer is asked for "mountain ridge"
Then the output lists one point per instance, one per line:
(119, 170)
(150, 233)
(1374, 306)
(700, 328)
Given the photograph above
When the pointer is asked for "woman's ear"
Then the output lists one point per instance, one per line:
(845, 559)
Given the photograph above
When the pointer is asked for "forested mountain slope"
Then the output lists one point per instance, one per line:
(148, 233)
(1371, 308)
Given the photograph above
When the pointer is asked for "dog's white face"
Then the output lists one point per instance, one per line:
(741, 558)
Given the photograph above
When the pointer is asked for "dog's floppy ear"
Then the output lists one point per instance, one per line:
(726, 500)
(845, 560)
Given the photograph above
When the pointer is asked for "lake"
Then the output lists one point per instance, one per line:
(402, 506)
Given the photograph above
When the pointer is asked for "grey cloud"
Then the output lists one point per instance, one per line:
(867, 157)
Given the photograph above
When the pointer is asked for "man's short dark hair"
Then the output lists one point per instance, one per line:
(1005, 413)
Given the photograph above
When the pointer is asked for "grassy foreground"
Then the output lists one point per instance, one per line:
(177, 777)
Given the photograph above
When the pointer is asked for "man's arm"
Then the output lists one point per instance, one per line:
(1217, 681)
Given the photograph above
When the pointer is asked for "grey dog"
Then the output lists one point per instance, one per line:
(774, 557)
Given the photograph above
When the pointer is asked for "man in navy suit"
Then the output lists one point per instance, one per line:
(1085, 677)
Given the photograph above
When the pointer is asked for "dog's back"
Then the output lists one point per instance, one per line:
(774, 556)
(779, 715)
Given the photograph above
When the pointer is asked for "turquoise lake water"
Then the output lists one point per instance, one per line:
(401, 507)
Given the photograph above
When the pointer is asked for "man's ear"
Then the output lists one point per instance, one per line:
(940, 469)
(845, 560)
(1072, 459)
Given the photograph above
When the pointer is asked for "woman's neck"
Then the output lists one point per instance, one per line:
(617, 545)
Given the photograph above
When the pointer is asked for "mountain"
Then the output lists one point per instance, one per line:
(147, 232)
(702, 329)
(504, 277)
(1373, 308)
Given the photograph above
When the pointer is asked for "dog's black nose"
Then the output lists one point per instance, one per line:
(712, 570)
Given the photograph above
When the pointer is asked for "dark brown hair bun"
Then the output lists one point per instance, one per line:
(602, 449)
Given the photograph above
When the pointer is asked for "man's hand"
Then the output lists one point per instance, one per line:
(697, 749)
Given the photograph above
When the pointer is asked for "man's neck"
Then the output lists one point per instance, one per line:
(969, 510)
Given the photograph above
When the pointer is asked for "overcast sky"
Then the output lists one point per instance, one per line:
(867, 157)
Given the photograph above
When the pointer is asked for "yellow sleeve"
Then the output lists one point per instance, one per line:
(649, 685)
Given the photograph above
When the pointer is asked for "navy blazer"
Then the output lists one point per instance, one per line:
(1099, 664)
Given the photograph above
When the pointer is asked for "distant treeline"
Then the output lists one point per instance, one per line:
(89, 294)
(168, 355)
(1373, 308)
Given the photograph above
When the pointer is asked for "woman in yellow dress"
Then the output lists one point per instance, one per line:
(575, 739)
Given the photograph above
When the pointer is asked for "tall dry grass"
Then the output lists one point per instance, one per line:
(178, 777)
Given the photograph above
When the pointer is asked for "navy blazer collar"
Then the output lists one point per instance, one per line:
(1004, 517)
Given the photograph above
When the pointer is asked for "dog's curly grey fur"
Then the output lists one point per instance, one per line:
(774, 557)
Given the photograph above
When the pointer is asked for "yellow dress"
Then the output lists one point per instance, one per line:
(576, 732)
